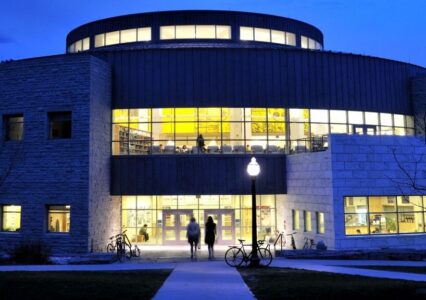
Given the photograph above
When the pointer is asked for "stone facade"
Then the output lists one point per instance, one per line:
(55, 172)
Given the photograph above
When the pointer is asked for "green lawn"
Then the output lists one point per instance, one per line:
(417, 270)
(274, 283)
(81, 285)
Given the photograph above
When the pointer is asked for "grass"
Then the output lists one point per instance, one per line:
(417, 270)
(274, 283)
(81, 285)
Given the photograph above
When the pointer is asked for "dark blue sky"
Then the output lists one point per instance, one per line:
(392, 29)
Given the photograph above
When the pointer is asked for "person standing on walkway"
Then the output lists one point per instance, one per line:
(210, 237)
(193, 235)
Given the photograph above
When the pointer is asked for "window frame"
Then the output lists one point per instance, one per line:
(48, 212)
(49, 124)
(2, 213)
(6, 126)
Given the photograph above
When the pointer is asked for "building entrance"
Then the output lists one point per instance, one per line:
(174, 226)
(225, 224)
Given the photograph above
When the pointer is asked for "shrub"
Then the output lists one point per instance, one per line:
(321, 245)
(31, 252)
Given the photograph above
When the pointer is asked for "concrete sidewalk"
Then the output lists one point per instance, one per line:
(204, 280)
(348, 267)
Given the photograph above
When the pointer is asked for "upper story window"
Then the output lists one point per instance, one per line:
(11, 218)
(308, 43)
(142, 34)
(60, 125)
(267, 35)
(58, 218)
(81, 45)
(13, 127)
(195, 32)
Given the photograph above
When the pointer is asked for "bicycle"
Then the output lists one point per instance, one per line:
(235, 255)
(293, 243)
(133, 250)
(121, 244)
(309, 243)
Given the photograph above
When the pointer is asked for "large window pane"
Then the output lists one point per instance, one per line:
(167, 32)
(355, 117)
(278, 36)
(410, 203)
(296, 219)
(338, 128)
(223, 32)
(382, 204)
(112, 38)
(307, 216)
(338, 116)
(410, 121)
(186, 114)
(319, 115)
(209, 114)
(233, 114)
(58, 218)
(185, 32)
(319, 129)
(304, 42)
(299, 115)
(14, 127)
(100, 40)
(11, 218)
(410, 222)
(356, 224)
(383, 223)
(320, 222)
(299, 131)
(290, 39)
(144, 34)
(398, 120)
(205, 32)
(262, 35)
(246, 33)
(371, 118)
(385, 119)
(128, 36)
(233, 130)
(86, 44)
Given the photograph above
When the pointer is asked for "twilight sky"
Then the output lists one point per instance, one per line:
(392, 29)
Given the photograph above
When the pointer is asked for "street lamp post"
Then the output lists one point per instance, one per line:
(253, 169)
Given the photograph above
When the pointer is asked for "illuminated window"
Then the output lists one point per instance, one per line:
(144, 34)
(185, 32)
(320, 222)
(296, 219)
(223, 32)
(371, 118)
(355, 117)
(278, 37)
(398, 120)
(167, 33)
(100, 40)
(128, 36)
(318, 46)
(312, 44)
(86, 44)
(112, 38)
(60, 125)
(78, 46)
(13, 127)
(299, 115)
(319, 115)
(304, 43)
(290, 39)
(410, 121)
(11, 218)
(262, 35)
(205, 32)
(307, 217)
(356, 215)
(246, 33)
(337, 116)
(385, 119)
(58, 218)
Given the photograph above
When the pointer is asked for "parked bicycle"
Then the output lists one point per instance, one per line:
(236, 255)
(293, 243)
(309, 243)
(122, 245)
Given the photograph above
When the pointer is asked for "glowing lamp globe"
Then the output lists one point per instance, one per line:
(253, 168)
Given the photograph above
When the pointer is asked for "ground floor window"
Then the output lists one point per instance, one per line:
(384, 215)
(11, 218)
(58, 217)
(295, 215)
(320, 222)
(166, 217)
(307, 216)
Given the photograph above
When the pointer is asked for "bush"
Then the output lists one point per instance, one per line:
(31, 253)
(321, 245)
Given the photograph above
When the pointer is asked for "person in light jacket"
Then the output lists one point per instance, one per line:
(193, 234)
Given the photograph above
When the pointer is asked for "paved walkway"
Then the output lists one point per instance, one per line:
(349, 267)
(204, 280)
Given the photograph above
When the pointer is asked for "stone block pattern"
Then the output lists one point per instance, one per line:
(45, 171)
(366, 166)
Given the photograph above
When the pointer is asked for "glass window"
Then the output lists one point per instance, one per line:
(11, 218)
(120, 115)
(128, 36)
(14, 127)
(355, 117)
(356, 224)
(167, 33)
(71, 48)
(410, 203)
(100, 40)
(86, 44)
(319, 115)
(246, 33)
(144, 34)
(304, 42)
(209, 114)
(276, 114)
(278, 37)
(337, 116)
(338, 128)
(186, 114)
(205, 32)
(290, 39)
(385, 119)
(371, 118)
(320, 222)
(319, 129)
(112, 38)
(307, 216)
(296, 219)
(262, 35)
(79, 46)
(299, 115)
(223, 32)
(128, 202)
(58, 218)
(410, 121)
(318, 46)
(398, 120)
(311, 44)
(299, 130)
(383, 223)
(382, 204)
(140, 115)
(60, 125)
(185, 32)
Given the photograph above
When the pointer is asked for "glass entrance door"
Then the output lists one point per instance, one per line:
(225, 224)
(174, 226)
(364, 129)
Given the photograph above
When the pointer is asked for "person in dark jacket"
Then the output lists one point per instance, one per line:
(210, 237)
(200, 143)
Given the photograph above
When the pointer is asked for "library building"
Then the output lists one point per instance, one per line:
(150, 119)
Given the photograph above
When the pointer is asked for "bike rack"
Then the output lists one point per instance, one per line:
(280, 237)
